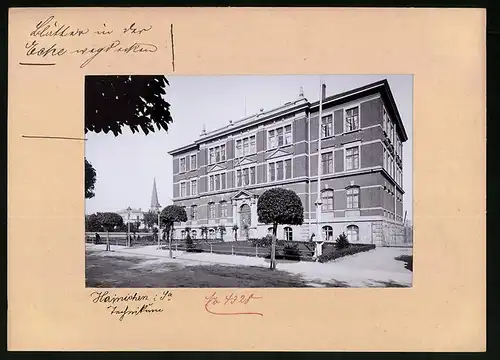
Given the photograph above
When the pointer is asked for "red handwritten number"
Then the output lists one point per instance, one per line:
(213, 300)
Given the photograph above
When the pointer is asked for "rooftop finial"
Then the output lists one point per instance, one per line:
(301, 91)
(204, 130)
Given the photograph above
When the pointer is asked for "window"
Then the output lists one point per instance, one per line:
(215, 182)
(353, 198)
(211, 234)
(183, 189)
(288, 134)
(352, 158)
(327, 200)
(326, 126)
(245, 176)
(288, 169)
(352, 233)
(385, 159)
(211, 210)
(194, 212)
(183, 234)
(217, 154)
(271, 172)
(327, 163)
(352, 119)
(391, 132)
(245, 146)
(327, 233)
(193, 234)
(279, 137)
(193, 162)
(270, 231)
(194, 187)
(223, 209)
(288, 234)
(280, 170)
(386, 121)
(182, 165)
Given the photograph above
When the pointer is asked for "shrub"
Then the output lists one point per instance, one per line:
(351, 250)
(291, 251)
(190, 245)
(266, 241)
(342, 242)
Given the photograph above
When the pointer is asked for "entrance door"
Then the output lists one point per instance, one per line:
(245, 220)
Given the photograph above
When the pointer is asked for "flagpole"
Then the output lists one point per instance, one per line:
(319, 234)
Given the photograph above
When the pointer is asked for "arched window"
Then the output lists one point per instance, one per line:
(223, 209)
(270, 231)
(327, 233)
(352, 233)
(288, 233)
(211, 210)
(193, 234)
(183, 234)
(352, 197)
(327, 200)
(211, 234)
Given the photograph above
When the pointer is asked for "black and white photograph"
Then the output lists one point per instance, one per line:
(248, 181)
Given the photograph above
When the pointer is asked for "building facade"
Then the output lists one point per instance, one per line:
(219, 177)
(136, 216)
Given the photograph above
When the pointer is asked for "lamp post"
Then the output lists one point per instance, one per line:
(128, 226)
(159, 227)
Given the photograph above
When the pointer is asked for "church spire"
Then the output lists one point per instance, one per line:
(155, 204)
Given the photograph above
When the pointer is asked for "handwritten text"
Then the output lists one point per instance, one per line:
(230, 304)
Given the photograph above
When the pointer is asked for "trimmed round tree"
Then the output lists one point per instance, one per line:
(170, 215)
(109, 221)
(279, 206)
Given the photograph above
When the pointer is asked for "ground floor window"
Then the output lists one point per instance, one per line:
(352, 233)
(327, 233)
(288, 234)
(270, 231)
(211, 234)
(183, 234)
(193, 234)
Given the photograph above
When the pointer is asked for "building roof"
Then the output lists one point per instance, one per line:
(155, 204)
(381, 87)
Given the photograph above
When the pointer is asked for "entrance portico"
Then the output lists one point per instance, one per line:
(245, 214)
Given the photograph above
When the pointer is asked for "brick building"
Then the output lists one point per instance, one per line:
(219, 177)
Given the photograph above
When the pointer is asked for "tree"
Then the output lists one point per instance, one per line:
(170, 215)
(109, 221)
(136, 102)
(279, 206)
(93, 223)
(222, 230)
(150, 218)
(204, 232)
(235, 230)
(90, 178)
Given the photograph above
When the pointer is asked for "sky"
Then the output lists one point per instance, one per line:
(127, 164)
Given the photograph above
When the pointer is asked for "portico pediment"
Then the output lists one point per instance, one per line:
(278, 153)
(243, 162)
(216, 167)
(243, 194)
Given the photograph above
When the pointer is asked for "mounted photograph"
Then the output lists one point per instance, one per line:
(248, 181)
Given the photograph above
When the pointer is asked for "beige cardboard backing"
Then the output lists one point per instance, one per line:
(49, 306)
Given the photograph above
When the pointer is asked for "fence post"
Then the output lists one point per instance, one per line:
(210, 248)
(256, 251)
(176, 246)
(232, 249)
(116, 241)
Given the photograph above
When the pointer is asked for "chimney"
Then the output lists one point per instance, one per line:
(323, 91)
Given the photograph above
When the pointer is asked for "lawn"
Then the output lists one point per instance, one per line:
(125, 271)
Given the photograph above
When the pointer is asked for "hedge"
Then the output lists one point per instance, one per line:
(351, 250)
